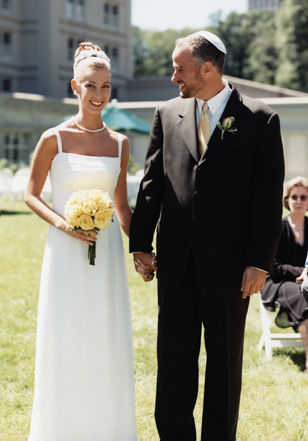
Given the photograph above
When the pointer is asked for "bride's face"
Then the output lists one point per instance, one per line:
(93, 87)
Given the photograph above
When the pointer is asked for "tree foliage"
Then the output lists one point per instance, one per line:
(153, 51)
(265, 46)
(292, 42)
(250, 41)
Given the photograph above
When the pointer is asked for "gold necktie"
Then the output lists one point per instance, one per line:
(204, 130)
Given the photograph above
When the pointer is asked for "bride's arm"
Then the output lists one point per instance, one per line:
(121, 205)
(44, 153)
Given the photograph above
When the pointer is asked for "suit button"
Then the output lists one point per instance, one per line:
(199, 168)
(195, 218)
(190, 243)
(195, 193)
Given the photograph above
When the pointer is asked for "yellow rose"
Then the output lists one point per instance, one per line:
(95, 195)
(103, 218)
(89, 207)
(104, 202)
(85, 222)
(73, 198)
(72, 220)
(72, 213)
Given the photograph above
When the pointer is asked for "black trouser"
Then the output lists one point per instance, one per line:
(181, 315)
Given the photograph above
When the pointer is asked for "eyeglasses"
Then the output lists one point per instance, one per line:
(301, 198)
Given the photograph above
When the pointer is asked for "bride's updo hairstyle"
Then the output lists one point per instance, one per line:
(90, 55)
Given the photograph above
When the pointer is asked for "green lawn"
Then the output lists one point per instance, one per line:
(274, 402)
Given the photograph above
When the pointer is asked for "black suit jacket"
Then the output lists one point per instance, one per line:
(223, 209)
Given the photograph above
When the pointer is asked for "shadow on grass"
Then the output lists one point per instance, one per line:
(13, 213)
(297, 356)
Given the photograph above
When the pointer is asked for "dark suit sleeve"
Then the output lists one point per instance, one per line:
(266, 196)
(283, 271)
(288, 264)
(149, 200)
(284, 267)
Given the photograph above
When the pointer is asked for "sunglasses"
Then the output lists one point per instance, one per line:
(302, 198)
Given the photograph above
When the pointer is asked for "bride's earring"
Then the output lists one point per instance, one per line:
(75, 92)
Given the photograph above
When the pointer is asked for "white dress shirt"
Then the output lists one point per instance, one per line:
(216, 105)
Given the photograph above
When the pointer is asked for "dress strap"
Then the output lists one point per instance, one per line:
(119, 145)
(56, 132)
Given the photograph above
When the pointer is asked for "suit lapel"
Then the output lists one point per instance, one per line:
(187, 126)
(233, 108)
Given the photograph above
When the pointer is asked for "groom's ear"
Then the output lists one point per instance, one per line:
(206, 68)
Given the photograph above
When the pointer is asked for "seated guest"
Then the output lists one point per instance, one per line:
(304, 286)
(283, 283)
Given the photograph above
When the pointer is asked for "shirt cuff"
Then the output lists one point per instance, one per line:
(258, 269)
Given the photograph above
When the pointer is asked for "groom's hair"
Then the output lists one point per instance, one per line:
(202, 50)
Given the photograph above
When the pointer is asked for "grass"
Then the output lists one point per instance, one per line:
(274, 403)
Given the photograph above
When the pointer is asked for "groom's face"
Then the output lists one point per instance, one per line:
(186, 74)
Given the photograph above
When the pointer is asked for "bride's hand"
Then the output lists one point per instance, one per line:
(88, 236)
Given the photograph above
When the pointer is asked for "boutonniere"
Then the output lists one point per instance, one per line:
(226, 126)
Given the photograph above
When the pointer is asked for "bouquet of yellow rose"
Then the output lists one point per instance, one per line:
(89, 210)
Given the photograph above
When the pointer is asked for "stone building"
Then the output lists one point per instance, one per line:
(38, 39)
(273, 5)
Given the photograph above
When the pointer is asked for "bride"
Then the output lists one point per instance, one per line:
(84, 373)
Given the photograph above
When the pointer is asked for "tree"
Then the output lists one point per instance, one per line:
(153, 51)
(141, 52)
(262, 53)
(231, 33)
(292, 38)
(250, 42)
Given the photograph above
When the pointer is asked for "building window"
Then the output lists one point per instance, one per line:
(106, 14)
(114, 58)
(69, 92)
(6, 44)
(72, 45)
(6, 5)
(6, 85)
(16, 148)
(115, 17)
(79, 10)
(71, 49)
(111, 15)
(113, 54)
(70, 8)
(75, 9)
(114, 93)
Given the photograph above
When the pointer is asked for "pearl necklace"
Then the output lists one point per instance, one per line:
(88, 130)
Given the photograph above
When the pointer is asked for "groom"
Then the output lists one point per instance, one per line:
(213, 188)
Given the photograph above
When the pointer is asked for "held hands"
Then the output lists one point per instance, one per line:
(145, 265)
(253, 281)
(300, 278)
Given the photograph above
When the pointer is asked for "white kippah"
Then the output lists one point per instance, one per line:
(212, 38)
(91, 53)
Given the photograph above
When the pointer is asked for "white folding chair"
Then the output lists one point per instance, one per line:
(273, 340)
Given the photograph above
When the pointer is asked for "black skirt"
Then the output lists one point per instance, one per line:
(293, 306)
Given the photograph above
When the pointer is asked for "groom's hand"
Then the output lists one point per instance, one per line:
(253, 281)
(145, 265)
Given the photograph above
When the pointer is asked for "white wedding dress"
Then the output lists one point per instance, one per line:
(84, 373)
